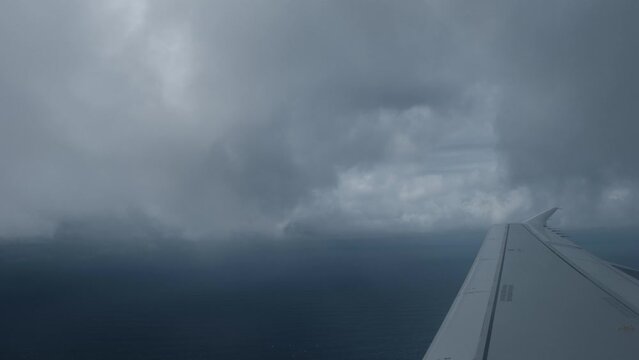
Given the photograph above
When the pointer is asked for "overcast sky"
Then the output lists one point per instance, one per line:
(210, 117)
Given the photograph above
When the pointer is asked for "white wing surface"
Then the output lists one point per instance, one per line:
(532, 294)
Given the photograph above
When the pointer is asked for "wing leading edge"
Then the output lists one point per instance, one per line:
(532, 294)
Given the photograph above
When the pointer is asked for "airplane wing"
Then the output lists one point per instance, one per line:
(533, 294)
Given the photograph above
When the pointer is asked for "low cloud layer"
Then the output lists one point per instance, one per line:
(224, 117)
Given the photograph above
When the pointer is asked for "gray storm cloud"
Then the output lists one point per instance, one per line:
(218, 117)
(568, 123)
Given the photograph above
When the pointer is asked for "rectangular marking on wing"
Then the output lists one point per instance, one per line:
(506, 293)
(502, 293)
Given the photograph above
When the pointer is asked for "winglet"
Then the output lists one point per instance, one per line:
(540, 219)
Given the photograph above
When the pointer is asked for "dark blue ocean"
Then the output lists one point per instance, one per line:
(300, 298)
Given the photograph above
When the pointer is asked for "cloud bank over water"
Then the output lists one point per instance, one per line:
(224, 117)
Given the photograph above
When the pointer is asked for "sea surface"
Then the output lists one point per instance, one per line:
(306, 298)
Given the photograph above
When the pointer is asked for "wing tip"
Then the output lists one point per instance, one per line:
(541, 218)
